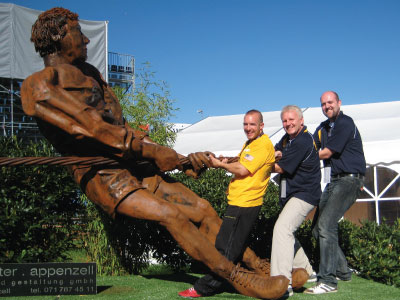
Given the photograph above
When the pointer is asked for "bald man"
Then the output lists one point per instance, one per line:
(245, 196)
(341, 150)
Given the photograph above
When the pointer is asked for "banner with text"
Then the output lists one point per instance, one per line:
(34, 279)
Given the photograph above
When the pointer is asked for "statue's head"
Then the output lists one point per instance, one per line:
(50, 28)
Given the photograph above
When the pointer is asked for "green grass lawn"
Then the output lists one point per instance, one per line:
(158, 283)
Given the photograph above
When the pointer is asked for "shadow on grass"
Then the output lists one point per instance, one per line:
(114, 290)
(176, 277)
(191, 279)
(103, 288)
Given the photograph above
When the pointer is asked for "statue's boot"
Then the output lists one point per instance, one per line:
(299, 278)
(251, 284)
(261, 266)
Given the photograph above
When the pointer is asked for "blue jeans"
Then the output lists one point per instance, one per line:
(337, 198)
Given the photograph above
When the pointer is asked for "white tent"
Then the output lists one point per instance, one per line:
(18, 58)
(378, 124)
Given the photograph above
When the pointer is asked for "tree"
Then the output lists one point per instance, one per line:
(149, 106)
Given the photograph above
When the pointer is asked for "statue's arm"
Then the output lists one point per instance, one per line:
(43, 98)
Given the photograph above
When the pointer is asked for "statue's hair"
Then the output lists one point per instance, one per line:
(257, 112)
(292, 108)
(49, 29)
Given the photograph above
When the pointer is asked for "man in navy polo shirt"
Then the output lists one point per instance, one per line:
(341, 150)
(300, 191)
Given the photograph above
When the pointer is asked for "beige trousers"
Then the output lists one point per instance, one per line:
(282, 255)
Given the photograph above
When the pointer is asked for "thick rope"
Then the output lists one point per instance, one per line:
(74, 160)
(99, 160)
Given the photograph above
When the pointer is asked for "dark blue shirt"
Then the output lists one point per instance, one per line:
(301, 166)
(342, 137)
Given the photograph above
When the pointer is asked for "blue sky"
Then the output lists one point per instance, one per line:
(228, 56)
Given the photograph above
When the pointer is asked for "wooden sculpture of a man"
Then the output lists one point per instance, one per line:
(80, 115)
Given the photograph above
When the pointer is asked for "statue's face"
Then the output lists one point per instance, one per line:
(73, 45)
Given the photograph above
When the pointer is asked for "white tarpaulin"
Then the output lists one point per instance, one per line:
(378, 124)
(18, 58)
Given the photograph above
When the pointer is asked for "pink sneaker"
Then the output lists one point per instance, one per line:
(189, 293)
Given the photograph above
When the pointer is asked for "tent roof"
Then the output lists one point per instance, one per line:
(377, 123)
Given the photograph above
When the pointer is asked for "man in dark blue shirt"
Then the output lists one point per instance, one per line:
(341, 150)
(300, 191)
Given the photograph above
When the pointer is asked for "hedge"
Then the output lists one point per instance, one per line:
(37, 207)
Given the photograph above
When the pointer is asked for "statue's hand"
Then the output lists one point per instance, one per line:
(165, 158)
(199, 163)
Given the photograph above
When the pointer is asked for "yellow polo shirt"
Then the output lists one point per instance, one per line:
(258, 157)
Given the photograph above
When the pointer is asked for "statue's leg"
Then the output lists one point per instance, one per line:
(144, 205)
(200, 211)
(197, 209)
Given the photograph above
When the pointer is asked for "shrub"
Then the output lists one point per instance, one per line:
(114, 244)
(211, 185)
(261, 237)
(308, 242)
(374, 250)
(37, 206)
(371, 249)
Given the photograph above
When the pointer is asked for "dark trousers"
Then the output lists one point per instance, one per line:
(337, 198)
(231, 241)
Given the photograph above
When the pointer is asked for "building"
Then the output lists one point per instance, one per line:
(121, 71)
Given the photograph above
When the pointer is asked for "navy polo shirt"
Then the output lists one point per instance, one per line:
(300, 163)
(342, 137)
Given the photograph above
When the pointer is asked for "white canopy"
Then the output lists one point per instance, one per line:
(18, 58)
(378, 124)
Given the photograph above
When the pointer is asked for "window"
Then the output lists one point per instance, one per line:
(380, 199)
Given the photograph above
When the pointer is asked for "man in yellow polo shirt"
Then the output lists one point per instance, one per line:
(245, 196)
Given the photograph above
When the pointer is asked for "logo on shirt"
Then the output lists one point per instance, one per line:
(248, 157)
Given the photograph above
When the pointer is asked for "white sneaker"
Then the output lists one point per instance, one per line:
(290, 290)
(342, 279)
(288, 293)
(320, 288)
(312, 278)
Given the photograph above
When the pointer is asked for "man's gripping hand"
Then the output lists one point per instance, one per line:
(278, 155)
(199, 162)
